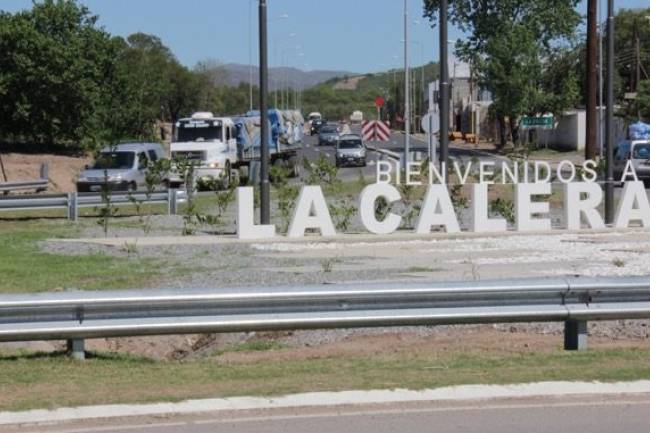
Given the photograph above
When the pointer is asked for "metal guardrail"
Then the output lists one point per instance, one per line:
(73, 201)
(38, 184)
(78, 315)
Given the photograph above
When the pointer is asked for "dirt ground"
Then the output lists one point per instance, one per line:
(62, 169)
(350, 84)
(295, 345)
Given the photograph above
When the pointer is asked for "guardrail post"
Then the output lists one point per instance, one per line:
(73, 210)
(77, 348)
(172, 201)
(575, 335)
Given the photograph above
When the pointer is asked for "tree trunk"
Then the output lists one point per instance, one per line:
(514, 130)
(502, 132)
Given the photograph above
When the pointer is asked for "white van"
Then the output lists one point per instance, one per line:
(121, 167)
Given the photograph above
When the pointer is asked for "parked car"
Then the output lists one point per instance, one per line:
(638, 151)
(350, 150)
(121, 167)
(328, 135)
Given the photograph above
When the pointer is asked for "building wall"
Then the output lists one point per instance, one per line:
(569, 132)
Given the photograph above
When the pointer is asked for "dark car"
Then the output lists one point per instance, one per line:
(316, 125)
(328, 135)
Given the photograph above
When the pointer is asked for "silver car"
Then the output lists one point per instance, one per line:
(350, 150)
(121, 168)
(328, 135)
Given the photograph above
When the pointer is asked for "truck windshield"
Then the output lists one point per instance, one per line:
(195, 131)
(642, 151)
(115, 160)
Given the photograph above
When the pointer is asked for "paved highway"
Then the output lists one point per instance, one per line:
(576, 415)
(312, 151)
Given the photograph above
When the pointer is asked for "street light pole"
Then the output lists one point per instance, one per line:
(407, 103)
(444, 90)
(250, 55)
(609, 125)
(265, 187)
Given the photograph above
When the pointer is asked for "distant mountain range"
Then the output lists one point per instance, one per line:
(296, 78)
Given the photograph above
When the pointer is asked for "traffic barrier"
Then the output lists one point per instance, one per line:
(71, 202)
(78, 315)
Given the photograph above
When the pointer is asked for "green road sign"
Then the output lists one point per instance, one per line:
(537, 121)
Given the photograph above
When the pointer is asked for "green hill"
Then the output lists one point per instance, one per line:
(339, 97)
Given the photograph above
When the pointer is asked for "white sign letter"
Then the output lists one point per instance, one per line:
(367, 208)
(525, 207)
(437, 210)
(311, 212)
(629, 170)
(410, 173)
(589, 171)
(384, 173)
(575, 206)
(480, 221)
(246, 228)
(633, 205)
(538, 172)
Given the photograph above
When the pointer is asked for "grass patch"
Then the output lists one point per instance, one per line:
(52, 380)
(24, 268)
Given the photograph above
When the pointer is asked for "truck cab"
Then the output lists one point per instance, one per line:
(207, 141)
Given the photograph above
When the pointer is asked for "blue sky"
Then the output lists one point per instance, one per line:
(352, 35)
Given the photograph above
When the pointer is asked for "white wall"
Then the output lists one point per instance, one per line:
(568, 133)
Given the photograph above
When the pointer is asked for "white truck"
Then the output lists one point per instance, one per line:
(207, 141)
(356, 117)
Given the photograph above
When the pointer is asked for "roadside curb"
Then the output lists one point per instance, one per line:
(329, 399)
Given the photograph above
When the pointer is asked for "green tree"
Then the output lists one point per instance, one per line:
(55, 66)
(510, 44)
(643, 99)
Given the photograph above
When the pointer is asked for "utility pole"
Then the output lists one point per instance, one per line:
(637, 49)
(250, 55)
(592, 53)
(265, 187)
(407, 102)
(444, 89)
(609, 125)
(601, 141)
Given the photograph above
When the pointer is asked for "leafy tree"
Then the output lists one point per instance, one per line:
(643, 99)
(54, 68)
(628, 25)
(510, 44)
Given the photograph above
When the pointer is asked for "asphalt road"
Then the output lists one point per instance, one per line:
(312, 151)
(577, 415)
